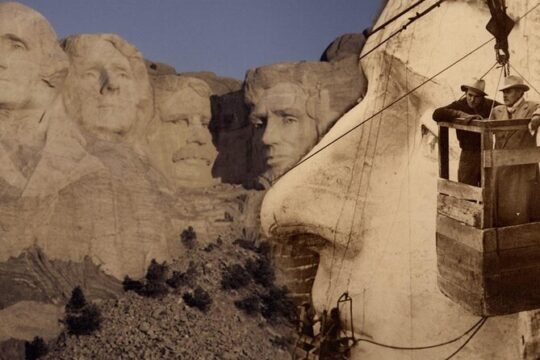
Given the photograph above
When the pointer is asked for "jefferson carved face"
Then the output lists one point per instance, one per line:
(284, 131)
(106, 89)
(24, 36)
(182, 142)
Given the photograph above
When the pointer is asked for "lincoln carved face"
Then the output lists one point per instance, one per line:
(283, 130)
(182, 143)
(29, 57)
(108, 89)
(291, 105)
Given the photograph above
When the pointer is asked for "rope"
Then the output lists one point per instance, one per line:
(395, 18)
(487, 72)
(527, 13)
(404, 27)
(474, 329)
(527, 81)
(496, 89)
(468, 340)
(370, 168)
(353, 172)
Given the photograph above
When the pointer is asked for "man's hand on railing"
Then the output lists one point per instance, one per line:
(534, 123)
(470, 117)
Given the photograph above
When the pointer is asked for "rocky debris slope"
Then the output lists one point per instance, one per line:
(137, 327)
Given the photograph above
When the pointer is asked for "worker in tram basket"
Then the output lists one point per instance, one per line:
(472, 106)
(516, 185)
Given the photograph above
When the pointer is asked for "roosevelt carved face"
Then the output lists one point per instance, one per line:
(182, 143)
(26, 44)
(284, 131)
(106, 91)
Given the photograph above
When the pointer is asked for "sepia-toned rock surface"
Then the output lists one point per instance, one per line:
(367, 204)
(180, 143)
(344, 46)
(32, 69)
(106, 158)
(95, 181)
(292, 105)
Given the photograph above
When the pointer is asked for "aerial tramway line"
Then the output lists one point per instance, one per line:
(488, 270)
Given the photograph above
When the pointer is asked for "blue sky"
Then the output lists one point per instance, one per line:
(224, 36)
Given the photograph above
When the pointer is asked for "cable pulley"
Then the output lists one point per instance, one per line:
(500, 25)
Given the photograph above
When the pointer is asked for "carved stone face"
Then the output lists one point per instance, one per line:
(21, 54)
(182, 142)
(367, 203)
(106, 93)
(284, 131)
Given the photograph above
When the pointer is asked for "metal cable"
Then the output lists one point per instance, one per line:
(403, 28)
(474, 329)
(468, 340)
(527, 81)
(394, 18)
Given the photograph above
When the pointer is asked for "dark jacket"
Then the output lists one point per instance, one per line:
(467, 140)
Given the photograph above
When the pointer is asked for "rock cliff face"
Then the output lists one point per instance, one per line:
(367, 204)
(105, 158)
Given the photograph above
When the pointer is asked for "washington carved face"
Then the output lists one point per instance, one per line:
(105, 89)
(21, 55)
(284, 131)
(183, 141)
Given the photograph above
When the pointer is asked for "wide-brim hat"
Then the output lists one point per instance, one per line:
(512, 81)
(477, 85)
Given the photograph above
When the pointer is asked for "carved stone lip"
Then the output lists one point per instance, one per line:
(191, 159)
(277, 158)
(108, 106)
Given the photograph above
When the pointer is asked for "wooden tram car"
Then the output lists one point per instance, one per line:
(488, 270)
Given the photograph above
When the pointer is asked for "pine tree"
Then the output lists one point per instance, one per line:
(35, 349)
(77, 300)
(82, 318)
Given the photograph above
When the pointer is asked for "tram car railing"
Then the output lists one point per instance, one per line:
(488, 270)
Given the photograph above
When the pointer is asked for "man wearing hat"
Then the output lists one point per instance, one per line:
(516, 184)
(472, 106)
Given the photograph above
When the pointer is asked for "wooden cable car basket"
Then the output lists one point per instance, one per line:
(486, 269)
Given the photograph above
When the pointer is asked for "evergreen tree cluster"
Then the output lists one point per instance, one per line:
(35, 349)
(156, 284)
(82, 318)
(269, 300)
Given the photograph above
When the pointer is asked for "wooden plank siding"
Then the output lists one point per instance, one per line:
(465, 211)
(519, 236)
(444, 166)
(487, 183)
(459, 263)
(478, 239)
(473, 301)
(507, 157)
(460, 125)
(459, 190)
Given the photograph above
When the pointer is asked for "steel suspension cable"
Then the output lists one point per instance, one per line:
(474, 329)
(403, 28)
(395, 17)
